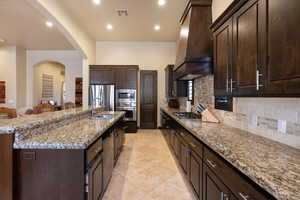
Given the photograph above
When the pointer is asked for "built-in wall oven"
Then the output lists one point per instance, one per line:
(126, 101)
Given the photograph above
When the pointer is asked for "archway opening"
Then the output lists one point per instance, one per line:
(49, 83)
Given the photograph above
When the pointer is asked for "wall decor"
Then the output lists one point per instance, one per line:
(2, 91)
(47, 90)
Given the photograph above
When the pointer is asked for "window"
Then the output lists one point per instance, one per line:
(191, 91)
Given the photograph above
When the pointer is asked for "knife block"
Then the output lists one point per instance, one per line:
(209, 116)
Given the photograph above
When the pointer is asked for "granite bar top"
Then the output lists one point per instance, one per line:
(31, 121)
(76, 135)
(272, 165)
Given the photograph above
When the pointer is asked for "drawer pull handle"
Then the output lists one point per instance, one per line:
(193, 145)
(211, 163)
(224, 196)
(245, 197)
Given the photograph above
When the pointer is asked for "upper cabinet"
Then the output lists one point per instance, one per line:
(223, 59)
(256, 49)
(124, 77)
(174, 88)
(195, 46)
(283, 68)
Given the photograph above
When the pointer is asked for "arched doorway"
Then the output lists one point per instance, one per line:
(49, 83)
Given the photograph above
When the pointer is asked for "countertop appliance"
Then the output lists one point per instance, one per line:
(126, 101)
(102, 96)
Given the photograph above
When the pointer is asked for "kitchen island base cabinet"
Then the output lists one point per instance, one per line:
(49, 174)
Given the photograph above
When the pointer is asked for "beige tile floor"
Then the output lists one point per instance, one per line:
(146, 170)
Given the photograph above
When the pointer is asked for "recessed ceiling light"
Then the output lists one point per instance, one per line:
(109, 27)
(162, 2)
(97, 2)
(157, 27)
(2, 40)
(49, 24)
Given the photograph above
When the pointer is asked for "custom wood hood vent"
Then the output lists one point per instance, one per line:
(195, 44)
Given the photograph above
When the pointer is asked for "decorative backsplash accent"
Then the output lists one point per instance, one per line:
(2, 92)
(256, 115)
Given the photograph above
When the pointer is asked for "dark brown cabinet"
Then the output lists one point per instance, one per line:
(223, 60)
(283, 67)
(101, 75)
(213, 188)
(195, 172)
(211, 177)
(124, 77)
(247, 43)
(264, 49)
(174, 88)
(95, 175)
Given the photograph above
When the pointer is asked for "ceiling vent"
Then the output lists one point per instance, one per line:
(122, 12)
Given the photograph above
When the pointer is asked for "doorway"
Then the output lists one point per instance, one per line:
(148, 106)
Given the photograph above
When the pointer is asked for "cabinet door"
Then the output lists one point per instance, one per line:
(95, 180)
(223, 59)
(177, 146)
(120, 74)
(102, 76)
(184, 155)
(247, 48)
(283, 69)
(195, 173)
(213, 188)
(131, 78)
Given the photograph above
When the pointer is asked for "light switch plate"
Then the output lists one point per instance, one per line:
(282, 126)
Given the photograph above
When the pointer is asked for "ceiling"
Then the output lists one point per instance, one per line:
(137, 26)
(23, 25)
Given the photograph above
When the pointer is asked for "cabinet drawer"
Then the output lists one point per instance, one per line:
(241, 187)
(93, 150)
(195, 145)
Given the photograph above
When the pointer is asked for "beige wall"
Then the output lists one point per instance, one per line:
(218, 7)
(8, 74)
(53, 69)
(21, 77)
(148, 55)
(72, 60)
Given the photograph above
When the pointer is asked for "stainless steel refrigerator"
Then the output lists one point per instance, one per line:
(102, 96)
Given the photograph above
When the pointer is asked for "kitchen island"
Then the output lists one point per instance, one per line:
(237, 157)
(60, 155)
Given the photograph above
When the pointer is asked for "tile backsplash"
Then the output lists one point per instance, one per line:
(256, 115)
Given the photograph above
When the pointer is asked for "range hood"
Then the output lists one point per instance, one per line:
(195, 45)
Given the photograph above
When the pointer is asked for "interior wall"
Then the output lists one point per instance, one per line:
(148, 55)
(21, 77)
(218, 7)
(8, 74)
(50, 68)
(72, 60)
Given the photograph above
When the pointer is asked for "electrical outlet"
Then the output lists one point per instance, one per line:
(281, 127)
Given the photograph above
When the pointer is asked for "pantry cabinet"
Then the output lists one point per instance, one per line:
(256, 49)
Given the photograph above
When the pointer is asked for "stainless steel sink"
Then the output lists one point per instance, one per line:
(102, 117)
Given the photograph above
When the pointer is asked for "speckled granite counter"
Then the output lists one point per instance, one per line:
(273, 166)
(76, 135)
(32, 121)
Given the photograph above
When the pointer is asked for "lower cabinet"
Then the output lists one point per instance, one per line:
(195, 173)
(95, 176)
(213, 188)
(211, 177)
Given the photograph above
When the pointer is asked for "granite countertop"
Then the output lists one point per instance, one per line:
(272, 165)
(76, 135)
(30, 121)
